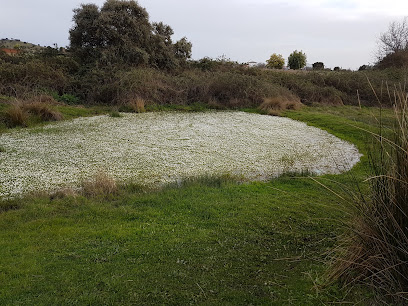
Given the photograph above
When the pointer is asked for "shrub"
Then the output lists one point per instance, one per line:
(22, 79)
(397, 59)
(318, 66)
(66, 98)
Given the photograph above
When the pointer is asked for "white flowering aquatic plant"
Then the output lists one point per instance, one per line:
(159, 148)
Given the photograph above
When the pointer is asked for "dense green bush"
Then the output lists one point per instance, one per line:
(22, 79)
(120, 33)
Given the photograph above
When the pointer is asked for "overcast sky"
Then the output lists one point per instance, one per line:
(337, 32)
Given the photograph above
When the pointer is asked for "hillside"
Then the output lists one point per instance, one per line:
(17, 43)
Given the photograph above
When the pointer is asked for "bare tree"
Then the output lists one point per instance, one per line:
(395, 39)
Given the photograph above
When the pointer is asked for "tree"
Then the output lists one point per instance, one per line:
(84, 36)
(398, 59)
(395, 39)
(183, 48)
(120, 33)
(276, 61)
(318, 66)
(297, 60)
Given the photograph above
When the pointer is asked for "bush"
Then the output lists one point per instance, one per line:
(397, 59)
(66, 98)
(318, 66)
(32, 77)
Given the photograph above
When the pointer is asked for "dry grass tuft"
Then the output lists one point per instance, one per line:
(43, 110)
(64, 193)
(19, 112)
(137, 105)
(274, 106)
(15, 115)
(100, 184)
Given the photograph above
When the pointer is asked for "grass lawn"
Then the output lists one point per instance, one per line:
(211, 241)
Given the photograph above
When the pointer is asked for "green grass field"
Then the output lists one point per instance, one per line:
(210, 241)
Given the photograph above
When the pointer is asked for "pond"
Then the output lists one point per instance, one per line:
(163, 147)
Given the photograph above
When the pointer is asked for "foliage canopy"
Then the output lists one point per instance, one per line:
(395, 39)
(297, 60)
(120, 33)
(276, 61)
(318, 66)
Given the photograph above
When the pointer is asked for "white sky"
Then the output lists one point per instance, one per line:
(338, 33)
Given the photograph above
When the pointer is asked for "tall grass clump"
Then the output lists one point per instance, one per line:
(137, 105)
(275, 105)
(23, 112)
(375, 250)
(43, 111)
(15, 115)
(100, 184)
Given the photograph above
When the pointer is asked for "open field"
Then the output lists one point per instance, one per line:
(208, 240)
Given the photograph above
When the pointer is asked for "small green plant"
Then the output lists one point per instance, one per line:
(115, 114)
(68, 99)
